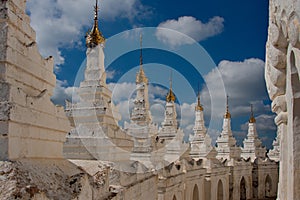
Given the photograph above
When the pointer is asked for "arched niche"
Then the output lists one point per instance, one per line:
(294, 64)
(220, 192)
(207, 190)
(268, 186)
(291, 149)
(243, 190)
(195, 193)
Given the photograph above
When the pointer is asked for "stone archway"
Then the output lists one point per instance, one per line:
(220, 191)
(268, 186)
(195, 193)
(174, 197)
(243, 191)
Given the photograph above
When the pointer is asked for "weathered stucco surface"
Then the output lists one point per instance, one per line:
(31, 126)
(282, 77)
(33, 130)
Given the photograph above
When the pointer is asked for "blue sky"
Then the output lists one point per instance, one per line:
(228, 43)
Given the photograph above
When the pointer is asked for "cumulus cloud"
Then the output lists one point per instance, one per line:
(62, 23)
(110, 74)
(243, 82)
(214, 134)
(189, 26)
(157, 92)
(266, 129)
(62, 93)
(129, 9)
(263, 123)
(187, 115)
(124, 93)
(124, 110)
(157, 112)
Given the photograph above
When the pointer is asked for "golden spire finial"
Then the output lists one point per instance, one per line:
(141, 77)
(171, 79)
(198, 106)
(95, 37)
(96, 12)
(141, 50)
(170, 95)
(227, 114)
(252, 118)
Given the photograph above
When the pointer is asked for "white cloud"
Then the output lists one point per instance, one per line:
(189, 26)
(244, 83)
(187, 114)
(157, 91)
(266, 129)
(123, 94)
(110, 10)
(110, 74)
(62, 93)
(122, 91)
(214, 134)
(63, 23)
(157, 112)
(187, 118)
(124, 110)
(263, 123)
